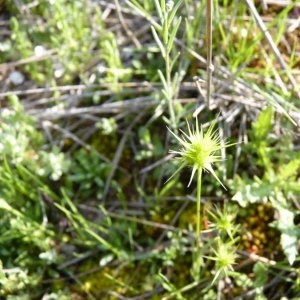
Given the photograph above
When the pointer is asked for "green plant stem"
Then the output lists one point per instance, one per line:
(210, 66)
(198, 237)
(168, 78)
(168, 71)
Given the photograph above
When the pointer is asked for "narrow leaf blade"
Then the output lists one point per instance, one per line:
(172, 15)
(173, 34)
(158, 41)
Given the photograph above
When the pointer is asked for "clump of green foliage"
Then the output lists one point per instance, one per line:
(75, 34)
(27, 239)
(279, 183)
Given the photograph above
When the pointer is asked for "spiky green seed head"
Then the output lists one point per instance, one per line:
(224, 257)
(224, 221)
(198, 150)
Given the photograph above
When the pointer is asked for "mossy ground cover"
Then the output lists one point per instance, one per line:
(88, 92)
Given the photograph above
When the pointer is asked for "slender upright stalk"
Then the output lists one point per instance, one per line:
(168, 79)
(198, 152)
(168, 67)
(166, 12)
(210, 67)
(198, 236)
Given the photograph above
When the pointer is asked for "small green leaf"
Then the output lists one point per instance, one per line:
(169, 286)
(140, 7)
(289, 243)
(297, 283)
(289, 232)
(189, 32)
(174, 84)
(165, 30)
(14, 24)
(145, 137)
(174, 60)
(167, 96)
(173, 34)
(159, 10)
(163, 79)
(264, 123)
(166, 120)
(167, 187)
(158, 150)
(242, 280)
(172, 15)
(163, 5)
(290, 169)
(5, 206)
(248, 191)
(260, 272)
(158, 41)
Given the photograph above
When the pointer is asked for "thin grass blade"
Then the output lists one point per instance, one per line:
(158, 9)
(163, 80)
(158, 41)
(172, 14)
(173, 34)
